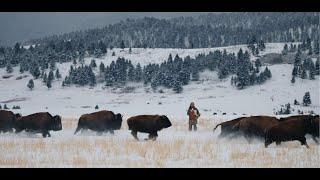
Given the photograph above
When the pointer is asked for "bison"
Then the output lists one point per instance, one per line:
(41, 122)
(255, 126)
(148, 124)
(101, 121)
(227, 127)
(8, 120)
(293, 128)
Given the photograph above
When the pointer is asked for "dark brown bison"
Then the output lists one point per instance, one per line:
(148, 124)
(41, 122)
(255, 126)
(7, 121)
(227, 127)
(101, 121)
(293, 128)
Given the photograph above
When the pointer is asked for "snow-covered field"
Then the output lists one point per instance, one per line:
(175, 147)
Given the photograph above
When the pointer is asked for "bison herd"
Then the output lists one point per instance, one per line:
(101, 121)
(271, 129)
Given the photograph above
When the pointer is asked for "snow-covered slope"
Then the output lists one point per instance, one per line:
(210, 94)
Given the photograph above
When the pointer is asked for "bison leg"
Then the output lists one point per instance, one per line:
(153, 136)
(267, 143)
(46, 134)
(278, 143)
(304, 142)
(134, 134)
(111, 132)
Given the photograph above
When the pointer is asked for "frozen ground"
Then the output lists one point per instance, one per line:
(175, 147)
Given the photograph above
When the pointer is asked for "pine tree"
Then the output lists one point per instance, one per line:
(306, 99)
(96, 107)
(131, 73)
(35, 71)
(267, 72)
(113, 53)
(0, 107)
(298, 58)
(310, 51)
(122, 46)
(304, 73)
(5, 106)
(293, 80)
(9, 68)
(316, 48)
(21, 69)
(177, 87)
(102, 47)
(74, 62)
(58, 75)
(312, 74)
(45, 78)
(102, 68)
(138, 73)
(195, 75)
(285, 49)
(48, 84)
(51, 76)
(93, 63)
(257, 51)
(30, 84)
(317, 68)
(295, 71)
(296, 102)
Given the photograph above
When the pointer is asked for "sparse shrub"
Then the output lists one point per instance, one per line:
(16, 107)
(306, 99)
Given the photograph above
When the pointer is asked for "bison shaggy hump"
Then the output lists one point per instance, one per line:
(41, 122)
(8, 120)
(101, 121)
(148, 124)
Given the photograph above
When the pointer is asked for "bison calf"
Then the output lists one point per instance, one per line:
(101, 121)
(148, 124)
(41, 122)
(8, 120)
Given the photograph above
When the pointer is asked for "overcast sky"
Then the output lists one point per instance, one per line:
(21, 26)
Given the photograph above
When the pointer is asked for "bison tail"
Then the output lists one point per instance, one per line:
(216, 127)
(77, 130)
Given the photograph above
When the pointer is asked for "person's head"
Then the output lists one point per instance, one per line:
(192, 104)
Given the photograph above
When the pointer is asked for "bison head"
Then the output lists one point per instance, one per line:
(56, 123)
(165, 122)
(118, 119)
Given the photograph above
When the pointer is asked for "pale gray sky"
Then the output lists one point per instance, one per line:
(21, 26)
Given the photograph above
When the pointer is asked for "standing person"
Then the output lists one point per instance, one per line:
(193, 114)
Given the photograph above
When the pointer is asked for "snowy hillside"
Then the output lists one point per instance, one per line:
(210, 94)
